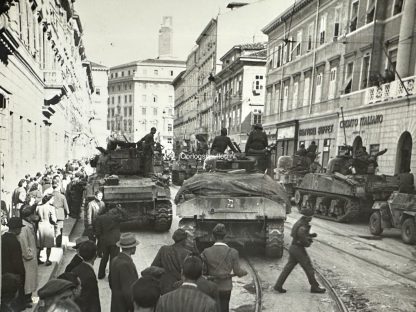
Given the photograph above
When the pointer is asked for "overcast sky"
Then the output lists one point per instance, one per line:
(120, 31)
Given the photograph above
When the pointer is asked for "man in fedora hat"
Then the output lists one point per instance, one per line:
(54, 290)
(123, 274)
(11, 258)
(220, 260)
(302, 238)
(171, 258)
(77, 259)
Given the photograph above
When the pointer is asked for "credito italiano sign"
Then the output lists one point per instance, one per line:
(363, 121)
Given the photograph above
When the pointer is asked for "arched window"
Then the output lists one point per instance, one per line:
(404, 152)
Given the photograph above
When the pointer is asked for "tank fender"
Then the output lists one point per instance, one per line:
(247, 208)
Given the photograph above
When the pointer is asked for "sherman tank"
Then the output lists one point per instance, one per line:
(184, 167)
(291, 170)
(249, 203)
(341, 196)
(145, 201)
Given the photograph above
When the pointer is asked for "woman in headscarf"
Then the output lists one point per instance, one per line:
(34, 191)
(27, 239)
(47, 220)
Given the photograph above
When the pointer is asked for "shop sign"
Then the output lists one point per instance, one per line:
(313, 131)
(363, 121)
(286, 133)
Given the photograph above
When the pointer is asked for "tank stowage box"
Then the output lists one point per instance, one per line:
(145, 201)
(252, 206)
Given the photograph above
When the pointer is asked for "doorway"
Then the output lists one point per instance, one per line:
(358, 143)
(404, 152)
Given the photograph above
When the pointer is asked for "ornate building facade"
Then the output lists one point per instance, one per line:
(45, 88)
(343, 72)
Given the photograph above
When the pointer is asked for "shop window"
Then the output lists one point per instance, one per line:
(371, 5)
(354, 16)
(398, 7)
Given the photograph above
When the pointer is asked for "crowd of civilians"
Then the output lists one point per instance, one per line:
(174, 282)
(34, 222)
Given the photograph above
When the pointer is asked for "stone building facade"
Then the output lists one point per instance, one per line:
(241, 24)
(141, 96)
(45, 89)
(342, 72)
(240, 91)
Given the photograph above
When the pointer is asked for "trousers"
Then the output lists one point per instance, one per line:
(224, 298)
(298, 254)
(109, 252)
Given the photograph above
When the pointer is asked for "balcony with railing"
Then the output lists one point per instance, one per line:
(390, 91)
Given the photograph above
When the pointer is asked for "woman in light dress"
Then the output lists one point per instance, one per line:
(46, 230)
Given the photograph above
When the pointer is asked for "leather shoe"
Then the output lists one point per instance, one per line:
(41, 262)
(317, 290)
(279, 289)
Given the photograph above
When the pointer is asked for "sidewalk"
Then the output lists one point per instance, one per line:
(45, 273)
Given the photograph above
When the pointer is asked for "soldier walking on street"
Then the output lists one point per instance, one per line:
(297, 254)
(220, 260)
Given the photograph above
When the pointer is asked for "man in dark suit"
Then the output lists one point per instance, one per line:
(123, 274)
(171, 258)
(11, 258)
(220, 261)
(107, 231)
(187, 298)
(77, 259)
(89, 299)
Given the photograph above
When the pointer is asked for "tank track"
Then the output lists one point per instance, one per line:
(163, 216)
(274, 238)
(341, 209)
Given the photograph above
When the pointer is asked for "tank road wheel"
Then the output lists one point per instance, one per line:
(163, 216)
(298, 197)
(409, 231)
(375, 223)
(274, 239)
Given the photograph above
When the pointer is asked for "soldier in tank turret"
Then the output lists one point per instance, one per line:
(257, 140)
(221, 142)
(148, 144)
